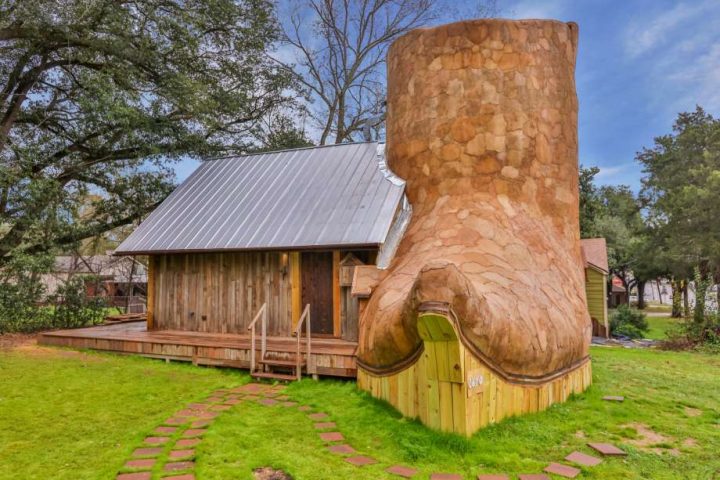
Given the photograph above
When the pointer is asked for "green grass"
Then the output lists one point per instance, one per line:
(76, 415)
(660, 325)
(70, 415)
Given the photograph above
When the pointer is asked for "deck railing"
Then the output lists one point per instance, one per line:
(304, 318)
(260, 315)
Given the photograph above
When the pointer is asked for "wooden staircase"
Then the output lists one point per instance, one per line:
(273, 366)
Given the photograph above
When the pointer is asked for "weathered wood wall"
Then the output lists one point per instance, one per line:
(221, 292)
(450, 389)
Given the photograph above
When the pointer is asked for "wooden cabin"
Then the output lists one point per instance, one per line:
(594, 251)
(262, 249)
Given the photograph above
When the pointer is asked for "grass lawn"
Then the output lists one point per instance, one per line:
(77, 415)
(660, 325)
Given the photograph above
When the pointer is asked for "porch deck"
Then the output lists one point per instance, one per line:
(332, 356)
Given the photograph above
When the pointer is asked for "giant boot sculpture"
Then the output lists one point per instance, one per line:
(482, 313)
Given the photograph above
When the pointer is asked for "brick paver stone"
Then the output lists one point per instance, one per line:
(175, 454)
(583, 459)
(215, 399)
(493, 476)
(324, 425)
(445, 476)
(607, 449)
(332, 437)
(232, 401)
(184, 476)
(249, 388)
(135, 476)
(201, 423)
(166, 430)
(194, 432)
(268, 401)
(175, 466)
(562, 470)
(175, 421)
(318, 416)
(147, 452)
(304, 408)
(187, 442)
(198, 406)
(282, 398)
(220, 408)
(341, 449)
(289, 404)
(533, 476)
(613, 398)
(156, 440)
(360, 460)
(145, 463)
(250, 398)
(207, 414)
(401, 471)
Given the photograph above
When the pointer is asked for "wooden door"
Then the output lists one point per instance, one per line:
(317, 290)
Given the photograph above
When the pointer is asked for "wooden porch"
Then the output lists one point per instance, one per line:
(329, 356)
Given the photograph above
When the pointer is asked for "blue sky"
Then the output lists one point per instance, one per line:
(640, 62)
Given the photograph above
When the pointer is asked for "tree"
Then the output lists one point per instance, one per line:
(340, 61)
(279, 132)
(682, 189)
(590, 203)
(98, 97)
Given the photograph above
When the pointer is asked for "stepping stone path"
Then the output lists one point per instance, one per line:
(171, 447)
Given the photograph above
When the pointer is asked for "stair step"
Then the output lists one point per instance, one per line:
(274, 376)
(280, 362)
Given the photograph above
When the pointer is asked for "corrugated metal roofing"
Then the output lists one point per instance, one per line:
(307, 198)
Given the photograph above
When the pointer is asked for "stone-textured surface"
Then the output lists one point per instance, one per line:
(562, 470)
(402, 471)
(607, 449)
(482, 123)
(583, 459)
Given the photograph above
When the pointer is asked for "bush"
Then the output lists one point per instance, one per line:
(21, 292)
(628, 322)
(691, 335)
(22, 298)
(73, 308)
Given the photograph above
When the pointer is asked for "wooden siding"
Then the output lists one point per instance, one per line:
(450, 389)
(596, 291)
(221, 292)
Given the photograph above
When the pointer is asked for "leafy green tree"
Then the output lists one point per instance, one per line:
(590, 203)
(682, 189)
(99, 97)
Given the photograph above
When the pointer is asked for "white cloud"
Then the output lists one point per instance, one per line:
(607, 173)
(531, 9)
(647, 34)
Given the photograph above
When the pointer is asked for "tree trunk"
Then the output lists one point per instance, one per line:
(657, 283)
(676, 299)
(686, 299)
(641, 294)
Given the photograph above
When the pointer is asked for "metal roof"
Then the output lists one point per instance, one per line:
(330, 196)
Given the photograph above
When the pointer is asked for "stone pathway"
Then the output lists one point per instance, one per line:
(170, 450)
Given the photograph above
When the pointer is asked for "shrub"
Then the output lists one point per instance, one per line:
(73, 308)
(21, 291)
(628, 322)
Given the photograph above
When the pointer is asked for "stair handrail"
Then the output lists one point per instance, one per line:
(261, 314)
(298, 334)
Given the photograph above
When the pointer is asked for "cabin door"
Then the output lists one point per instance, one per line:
(317, 290)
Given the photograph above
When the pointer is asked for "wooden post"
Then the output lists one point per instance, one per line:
(296, 288)
(336, 293)
(150, 298)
